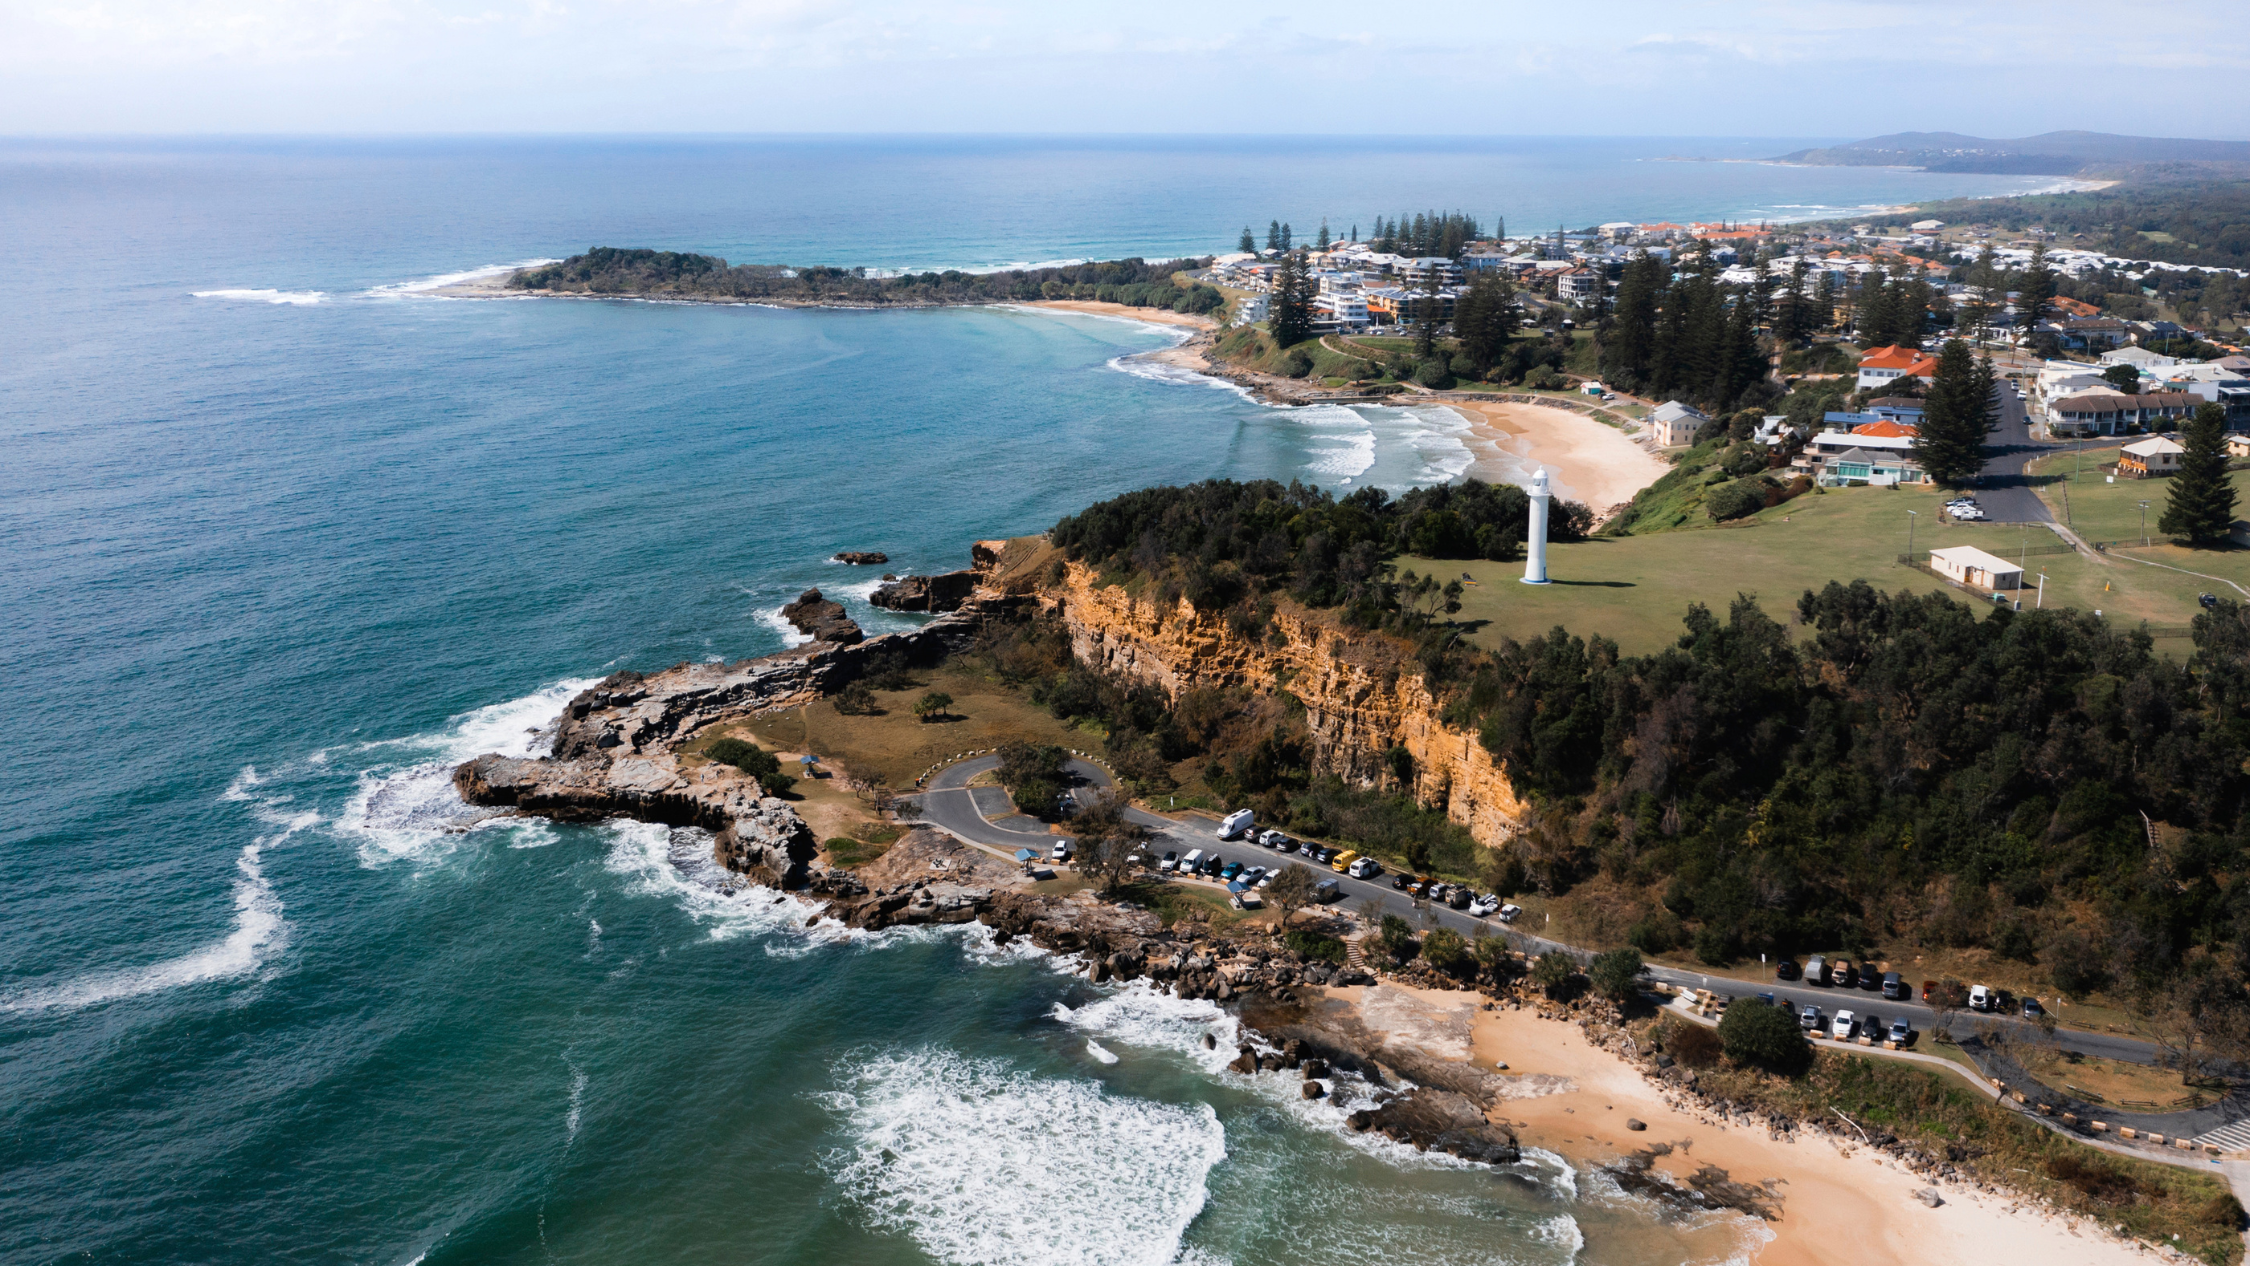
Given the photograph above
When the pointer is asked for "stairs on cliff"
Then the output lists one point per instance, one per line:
(1352, 956)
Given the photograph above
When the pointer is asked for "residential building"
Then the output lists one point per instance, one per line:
(1252, 308)
(1345, 309)
(1876, 467)
(1579, 285)
(2092, 333)
(1882, 366)
(2139, 358)
(1676, 424)
(1972, 566)
(2156, 456)
(1417, 271)
(2108, 411)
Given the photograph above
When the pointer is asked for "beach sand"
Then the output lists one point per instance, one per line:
(1845, 1205)
(1154, 316)
(1586, 461)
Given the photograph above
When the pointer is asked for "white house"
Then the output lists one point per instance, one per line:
(1579, 285)
(1418, 270)
(1972, 566)
(2139, 358)
(1676, 424)
(1253, 307)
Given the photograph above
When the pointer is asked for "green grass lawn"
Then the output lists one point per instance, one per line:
(1635, 589)
(2099, 510)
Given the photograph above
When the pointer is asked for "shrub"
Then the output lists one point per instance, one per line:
(1395, 936)
(932, 705)
(1553, 970)
(1444, 948)
(1491, 951)
(2223, 1210)
(1033, 775)
(1616, 974)
(754, 761)
(1315, 947)
(1715, 945)
(1694, 1045)
(856, 700)
(2093, 1178)
(1297, 363)
(1754, 1033)
(1738, 499)
(1542, 378)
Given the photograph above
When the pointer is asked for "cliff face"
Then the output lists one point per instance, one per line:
(1362, 695)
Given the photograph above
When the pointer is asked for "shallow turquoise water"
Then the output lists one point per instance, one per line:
(283, 540)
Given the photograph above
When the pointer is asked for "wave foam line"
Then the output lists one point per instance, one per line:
(443, 280)
(977, 1163)
(300, 298)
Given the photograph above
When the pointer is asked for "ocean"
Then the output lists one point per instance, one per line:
(284, 537)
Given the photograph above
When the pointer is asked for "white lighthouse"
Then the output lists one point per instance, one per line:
(1535, 542)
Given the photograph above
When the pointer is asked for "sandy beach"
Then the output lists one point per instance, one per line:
(1839, 1205)
(1586, 460)
(1154, 316)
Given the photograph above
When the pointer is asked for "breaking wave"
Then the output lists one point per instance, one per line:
(300, 298)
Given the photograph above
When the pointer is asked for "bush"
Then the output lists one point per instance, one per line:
(1297, 363)
(1033, 775)
(754, 761)
(1616, 974)
(1692, 1044)
(1314, 947)
(1444, 948)
(1395, 936)
(1553, 970)
(1753, 1033)
(856, 700)
(1434, 374)
(1715, 945)
(1736, 500)
(1543, 378)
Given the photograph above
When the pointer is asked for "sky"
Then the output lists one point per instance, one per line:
(1840, 68)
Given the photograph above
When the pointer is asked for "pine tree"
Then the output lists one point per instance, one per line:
(1355, 234)
(1248, 245)
(1285, 244)
(2035, 291)
(2200, 505)
(1500, 228)
(1793, 321)
(1322, 240)
(1484, 319)
(1273, 235)
(1425, 329)
(1293, 290)
(1631, 346)
(1950, 446)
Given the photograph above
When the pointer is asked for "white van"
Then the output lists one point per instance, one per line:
(1235, 824)
(1191, 861)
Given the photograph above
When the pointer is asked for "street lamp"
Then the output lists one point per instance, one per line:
(2144, 522)
(1911, 515)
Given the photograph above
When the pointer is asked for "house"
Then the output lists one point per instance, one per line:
(2073, 307)
(1480, 259)
(1869, 466)
(1418, 271)
(2238, 446)
(1972, 566)
(1887, 429)
(1579, 285)
(1883, 366)
(1927, 226)
(2108, 411)
(2092, 333)
(2155, 456)
(1251, 308)
(1676, 424)
(1340, 309)
(2139, 358)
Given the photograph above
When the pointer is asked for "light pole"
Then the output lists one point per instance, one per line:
(2042, 592)
(2144, 523)
(1911, 515)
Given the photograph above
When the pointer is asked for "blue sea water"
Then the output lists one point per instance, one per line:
(282, 538)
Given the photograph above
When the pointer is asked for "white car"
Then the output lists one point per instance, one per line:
(1980, 998)
(1061, 852)
(1483, 906)
(1841, 1027)
(1508, 913)
(1235, 824)
(1365, 868)
(1271, 839)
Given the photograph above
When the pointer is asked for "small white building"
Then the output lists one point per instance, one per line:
(2138, 358)
(1676, 424)
(1972, 566)
(2153, 456)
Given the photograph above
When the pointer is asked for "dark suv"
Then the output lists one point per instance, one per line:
(1787, 969)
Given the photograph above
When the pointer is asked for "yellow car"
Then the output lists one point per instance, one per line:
(1343, 861)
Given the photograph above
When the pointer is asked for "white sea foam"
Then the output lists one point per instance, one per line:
(258, 934)
(676, 864)
(406, 808)
(577, 1101)
(790, 634)
(1562, 1231)
(1345, 457)
(301, 298)
(977, 1163)
(1100, 1052)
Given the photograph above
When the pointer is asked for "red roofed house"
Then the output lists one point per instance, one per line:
(1882, 366)
(1888, 428)
(2073, 307)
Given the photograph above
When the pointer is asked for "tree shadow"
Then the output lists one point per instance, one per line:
(1596, 584)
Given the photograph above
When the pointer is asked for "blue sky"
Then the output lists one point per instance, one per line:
(1844, 68)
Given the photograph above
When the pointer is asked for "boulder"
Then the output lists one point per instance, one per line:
(1635, 1123)
(822, 619)
(946, 591)
(1315, 1069)
(1930, 1197)
(862, 557)
(1312, 1090)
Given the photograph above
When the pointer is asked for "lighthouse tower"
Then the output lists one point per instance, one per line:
(1535, 541)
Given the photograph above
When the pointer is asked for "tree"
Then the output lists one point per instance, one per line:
(1629, 352)
(1553, 970)
(1395, 935)
(1321, 242)
(1107, 843)
(1273, 235)
(1950, 446)
(2200, 505)
(1616, 975)
(1947, 997)
(1425, 329)
(1248, 245)
(1484, 320)
(932, 705)
(1753, 1033)
(1444, 948)
(856, 700)
(1285, 245)
(2035, 291)
(1292, 311)
(1290, 891)
(2123, 377)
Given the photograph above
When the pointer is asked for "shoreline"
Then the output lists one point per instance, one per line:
(1589, 461)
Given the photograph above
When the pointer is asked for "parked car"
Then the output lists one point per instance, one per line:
(1365, 868)
(1901, 1031)
(1894, 986)
(1401, 881)
(1327, 855)
(1842, 974)
(1308, 849)
(1843, 1026)
(1787, 969)
(1327, 890)
(1508, 913)
(1436, 892)
(1980, 998)
(1266, 880)
(1060, 852)
(1870, 979)
(1192, 864)
(1270, 839)
(1459, 897)
(1483, 906)
(1171, 861)
(1816, 970)
(1343, 861)
(1213, 864)
(2032, 1010)
(1236, 823)
(1252, 874)
(1809, 1018)
(1766, 998)
(1229, 871)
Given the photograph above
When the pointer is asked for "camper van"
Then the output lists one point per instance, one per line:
(1235, 824)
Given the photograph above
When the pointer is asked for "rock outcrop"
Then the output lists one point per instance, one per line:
(944, 592)
(1363, 694)
(863, 557)
(823, 619)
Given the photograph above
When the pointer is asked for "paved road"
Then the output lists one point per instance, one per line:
(950, 803)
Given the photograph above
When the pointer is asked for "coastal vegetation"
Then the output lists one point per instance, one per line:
(2183, 222)
(606, 270)
(1689, 337)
